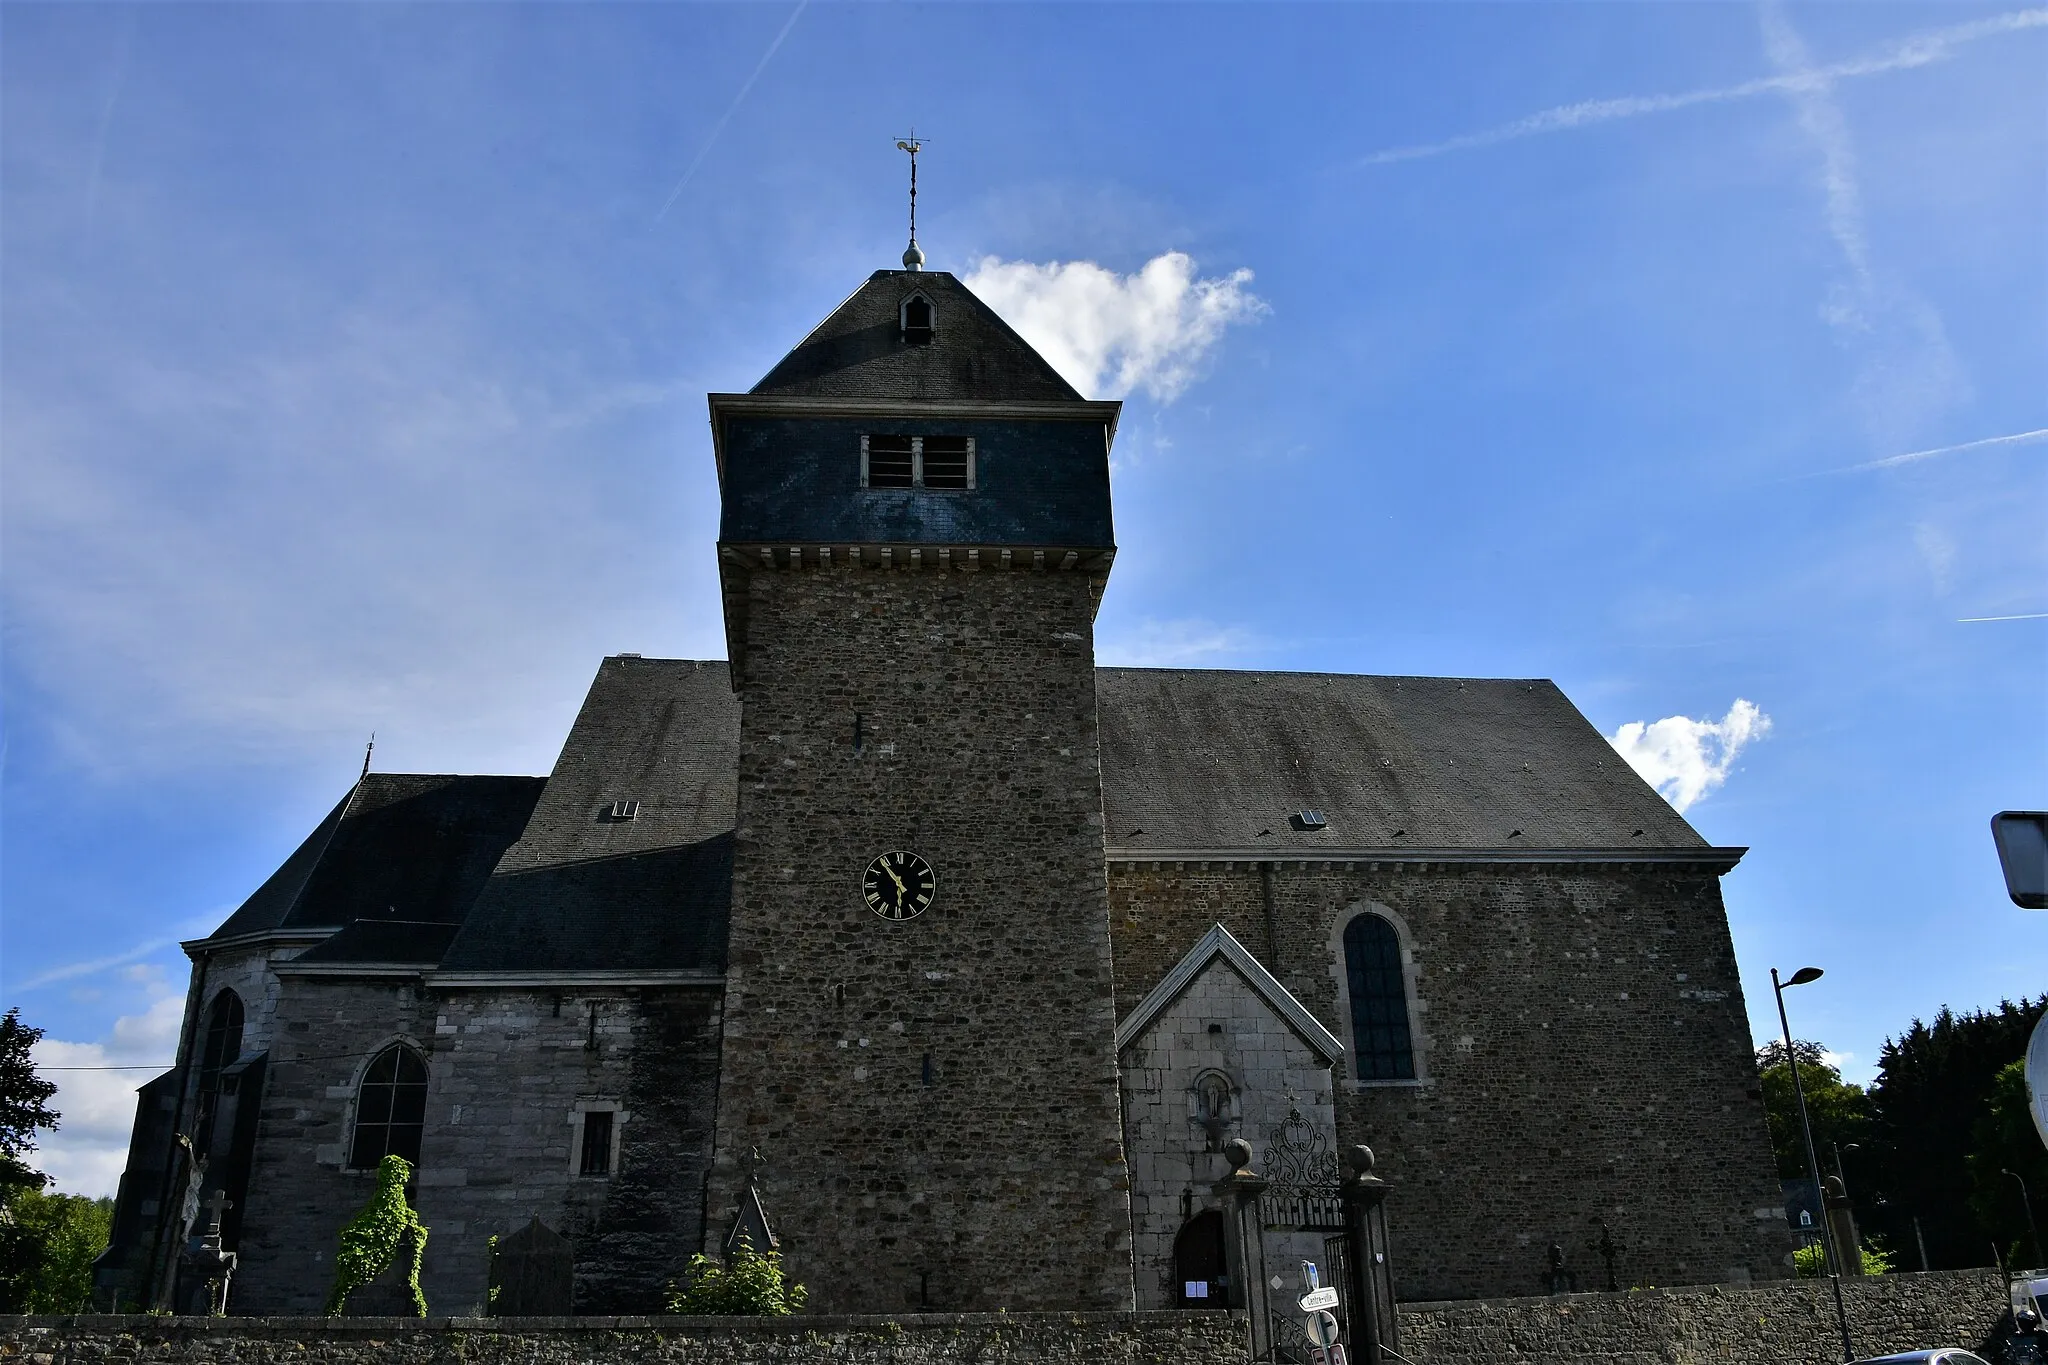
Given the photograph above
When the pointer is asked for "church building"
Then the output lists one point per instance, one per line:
(910, 939)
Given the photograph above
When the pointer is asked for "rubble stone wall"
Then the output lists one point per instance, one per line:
(507, 1071)
(1582, 1052)
(935, 1098)
(1783, 1323)
(938, 1339)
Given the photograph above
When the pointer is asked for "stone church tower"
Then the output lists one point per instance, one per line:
(914, 940)
(919, 1020)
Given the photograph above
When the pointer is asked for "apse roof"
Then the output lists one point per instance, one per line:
(403, 847)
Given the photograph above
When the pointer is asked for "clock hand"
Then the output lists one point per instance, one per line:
(902, 891)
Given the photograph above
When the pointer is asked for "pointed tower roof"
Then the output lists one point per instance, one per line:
(865, 351)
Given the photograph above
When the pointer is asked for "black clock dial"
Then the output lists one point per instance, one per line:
(899, 886)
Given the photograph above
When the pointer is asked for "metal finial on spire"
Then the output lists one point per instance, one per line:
(913, 257)
(368, 749)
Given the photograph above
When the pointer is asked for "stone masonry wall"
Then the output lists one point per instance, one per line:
(1582, 1052)
(1218, 1024)
(506, 1071)
(1782, 1323)
(936, 1099)
(939, 1339)
(1788, 1322)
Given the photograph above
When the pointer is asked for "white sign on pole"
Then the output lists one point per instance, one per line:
(1322, 1328)
(1326, 1297)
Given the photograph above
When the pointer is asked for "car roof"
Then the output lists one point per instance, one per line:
(1936, 1355)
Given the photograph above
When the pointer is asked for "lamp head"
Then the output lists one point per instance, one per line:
(1804, 975)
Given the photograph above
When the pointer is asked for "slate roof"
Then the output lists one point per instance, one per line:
(584, 891)
(524, 874)
(400, 847)
(1209, 759)
(859, 351)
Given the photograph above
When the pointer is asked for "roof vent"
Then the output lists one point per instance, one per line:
(625, 810)
(1310, 819)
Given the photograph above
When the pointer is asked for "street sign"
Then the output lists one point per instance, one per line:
(1326, 1297)
(2022, 839)
(1322, 1328)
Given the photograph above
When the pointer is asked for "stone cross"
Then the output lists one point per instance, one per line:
(216, 1204)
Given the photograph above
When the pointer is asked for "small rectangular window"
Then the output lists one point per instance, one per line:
(945, 462)
(890, 462)
(597, 1143)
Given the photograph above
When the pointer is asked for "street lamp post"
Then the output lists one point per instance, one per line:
(2027, 1204)
(1841, 1147)
(1827, 1236)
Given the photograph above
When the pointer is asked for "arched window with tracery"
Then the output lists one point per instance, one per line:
(391, 1108)
(1379, 1000)
(219, 1050)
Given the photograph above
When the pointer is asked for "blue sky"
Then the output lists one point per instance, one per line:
(354, 360)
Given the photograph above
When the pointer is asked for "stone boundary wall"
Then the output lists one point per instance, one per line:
(1780, 1323)
(1783, 1322)
(1163, 1338)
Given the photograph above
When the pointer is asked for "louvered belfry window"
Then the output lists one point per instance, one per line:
(391, 1108)
(944, 463)
(892, 461)
(1379, 1000)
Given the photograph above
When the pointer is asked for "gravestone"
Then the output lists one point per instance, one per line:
(533, 1274)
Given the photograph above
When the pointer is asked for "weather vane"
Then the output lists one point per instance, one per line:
(913, 258)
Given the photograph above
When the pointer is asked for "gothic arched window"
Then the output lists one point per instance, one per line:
(1379, 1000)
(391, 1108)
(223, 1045)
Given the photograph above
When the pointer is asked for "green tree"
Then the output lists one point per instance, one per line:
(24, 1104)
(2002, 1140)
(58, 1235)
(1839, 1112)
(1935, 1084)
(749, 1285)
(24, 1108)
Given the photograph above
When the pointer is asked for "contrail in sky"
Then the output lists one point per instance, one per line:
(2023, 616)
(1921, 49)
(732, 108)
(2018, 438)
(99, 142)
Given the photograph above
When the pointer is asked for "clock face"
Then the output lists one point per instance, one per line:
(899, 886)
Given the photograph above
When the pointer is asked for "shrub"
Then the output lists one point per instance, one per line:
(748, 1285)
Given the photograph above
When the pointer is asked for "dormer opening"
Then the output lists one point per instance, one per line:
(916, 317)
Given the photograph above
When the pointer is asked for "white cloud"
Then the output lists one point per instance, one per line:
(1110, 334)
(1684, 759)
(88, 1150)
(1172, 644)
